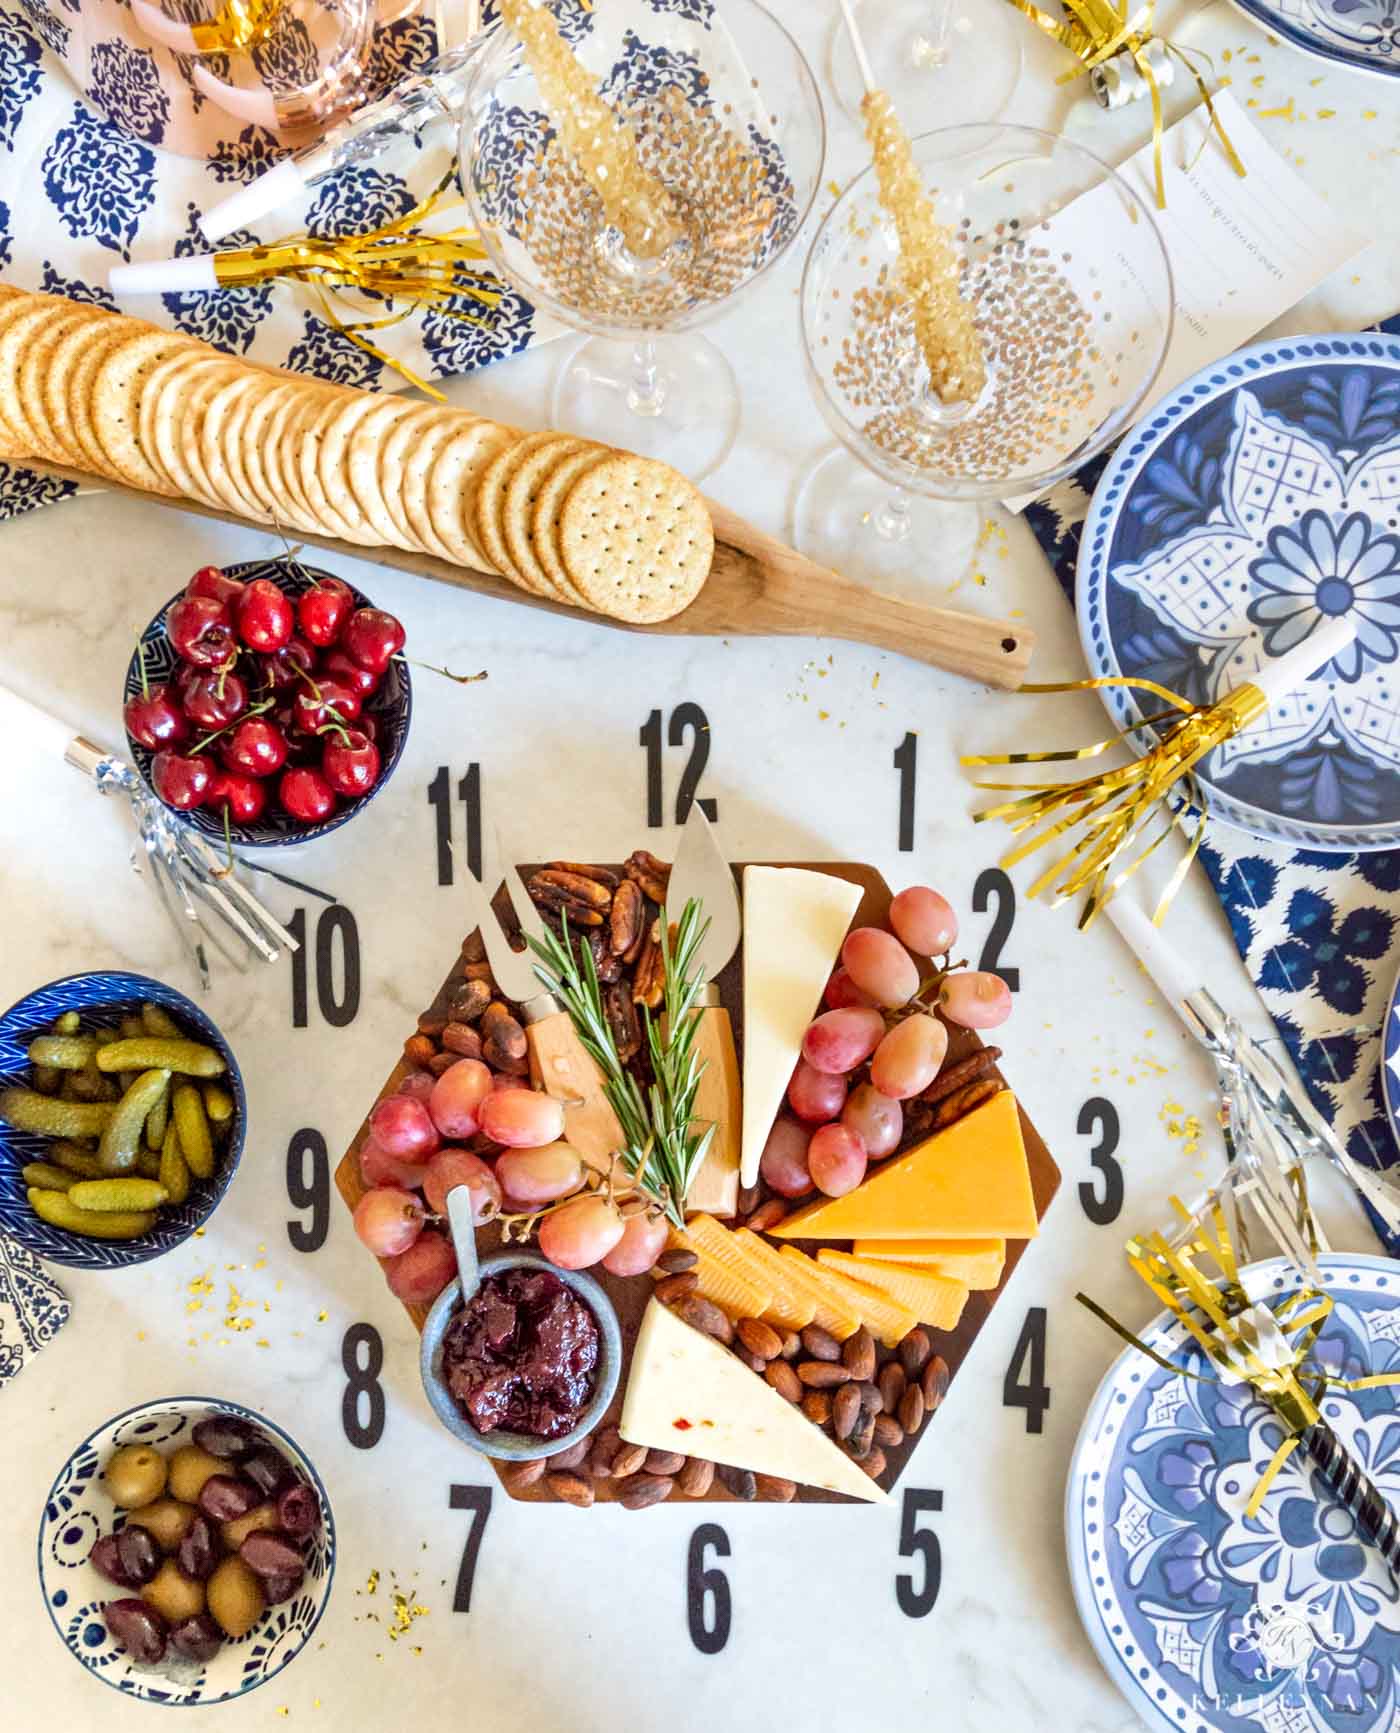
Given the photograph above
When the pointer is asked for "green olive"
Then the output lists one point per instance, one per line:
(174, 1595)
(261, 1516)
(190, 1467)
(135, 1475)
(167, 1519)
(235, 1597)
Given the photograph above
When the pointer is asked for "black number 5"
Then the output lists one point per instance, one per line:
(702, 1584)
(920, 1543)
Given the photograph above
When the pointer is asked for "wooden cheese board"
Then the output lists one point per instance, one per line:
(630, 1295)
(757, 588)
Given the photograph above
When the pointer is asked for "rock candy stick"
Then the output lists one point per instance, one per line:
(634, 201)
(928, 263)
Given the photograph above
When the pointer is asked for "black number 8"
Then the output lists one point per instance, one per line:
(362, 1381)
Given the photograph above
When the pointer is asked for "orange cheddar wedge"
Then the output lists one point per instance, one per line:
(978, 1263)
(793, 1308)
(932, 1299)
(969, 1181)
(833, 1313)
(886, 1319)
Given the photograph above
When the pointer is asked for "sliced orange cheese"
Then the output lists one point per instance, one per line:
(885, 1318)
(978, 1263)
(793, 1308)
(932, 1299)
(968, 1181)
(731, 1292)
(832, 1313)
(716, 1246)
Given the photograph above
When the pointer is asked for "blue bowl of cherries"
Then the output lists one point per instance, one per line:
(268, 702)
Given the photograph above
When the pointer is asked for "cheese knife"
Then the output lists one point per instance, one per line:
(702, 872)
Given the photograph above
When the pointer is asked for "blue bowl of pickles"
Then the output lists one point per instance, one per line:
(122, 1118)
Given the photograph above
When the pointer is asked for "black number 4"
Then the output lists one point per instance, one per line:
(476, 1499)
(702, 1584)
(922, 1544)
(1031, 1392)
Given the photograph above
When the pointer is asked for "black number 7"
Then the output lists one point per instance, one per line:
(476, 1499)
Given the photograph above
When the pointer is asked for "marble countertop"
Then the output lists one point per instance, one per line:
(579, 1621)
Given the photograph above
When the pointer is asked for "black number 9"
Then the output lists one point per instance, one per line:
(313, 1194)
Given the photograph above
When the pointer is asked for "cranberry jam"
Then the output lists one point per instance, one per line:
(521, 1357)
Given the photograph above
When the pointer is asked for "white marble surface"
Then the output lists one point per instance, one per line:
(578, 1621)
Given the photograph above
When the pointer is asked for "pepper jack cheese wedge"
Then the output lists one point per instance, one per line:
(685, 1392)
(794, 922)
(968, 1181)
(978, 1263)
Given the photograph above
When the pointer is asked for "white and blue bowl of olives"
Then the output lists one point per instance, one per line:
(265, 1571)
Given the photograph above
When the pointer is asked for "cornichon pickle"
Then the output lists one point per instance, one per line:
(108, 1195)
(155, 1020)
(45, 1079)
(174, 1169)
(156, 1122)
(105, 1037)
(121, 1141)
(48, 1178)
(58, 1211)
(147, 1164)
(131, 1026)
(87, 1084)
(69, 1023)
(75, 1159)
(218, 1104)
(62, 1052)
(168, 1053)
(195, 1142)
(27, 1110)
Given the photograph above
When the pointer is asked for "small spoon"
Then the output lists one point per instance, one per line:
(459, 1218)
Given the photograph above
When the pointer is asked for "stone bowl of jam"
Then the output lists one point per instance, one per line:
(529, 1365)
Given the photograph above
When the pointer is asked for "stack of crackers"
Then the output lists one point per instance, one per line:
(564, 519)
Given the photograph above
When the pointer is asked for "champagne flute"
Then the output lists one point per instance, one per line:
(943, 61)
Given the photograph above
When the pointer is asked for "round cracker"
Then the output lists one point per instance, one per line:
(309, 443)
(220, 453)
(490, 497)
(117, 388)
(68, 354)
(79, 394)
(518, 507)
(544, 522)
(283, 456)
(363, 467)
(419, 459)
(454, 486)
(21, 320)
(34, 366)
(394, 454)
(259, 437)
(636, 539)
(332, 463)
(186, 366)
(180, 396)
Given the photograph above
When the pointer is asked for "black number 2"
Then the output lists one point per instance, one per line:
(476, 1499)
(702, 1584)
(338, 1004)
(1030, 1391)
(686, 719)
(313, 1194)
(362, 1381)
(994, 886)
(920, 1543)
(1099, 1115)
(440, 799)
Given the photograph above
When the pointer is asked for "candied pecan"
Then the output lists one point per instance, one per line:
(608, 967)
(954, 1107)
(582, 900)
(480, 972)
(651, 874)
(623, 1021)
(626, 918)
(600, 875)
(473, 947)
(503, 1040)
(953, 1077)
(469, 999)
(649, 975)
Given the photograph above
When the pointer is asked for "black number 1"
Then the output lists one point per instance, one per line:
(440, 799)
(906, 758)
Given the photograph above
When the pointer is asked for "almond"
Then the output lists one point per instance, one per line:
(820, 1344)
(571, 1489)
(696, 1478)
(759, 1338)
(822, 1374)
(784, 1380)
(858, 1355)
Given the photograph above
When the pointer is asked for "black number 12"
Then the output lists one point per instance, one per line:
(686, 719)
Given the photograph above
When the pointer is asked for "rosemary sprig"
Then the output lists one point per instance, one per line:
(662, 1147)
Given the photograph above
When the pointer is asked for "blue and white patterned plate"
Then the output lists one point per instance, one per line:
(78, 1510)
(1259, 498)
(1390, 1061)
(1362, 34)
(1210, 1621)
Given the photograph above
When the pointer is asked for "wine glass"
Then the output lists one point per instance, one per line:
(1071, 289)
(951, 61)
(725, 114)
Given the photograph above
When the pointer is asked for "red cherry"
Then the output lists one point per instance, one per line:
(326, 701)
(284, 667)
(301, 748)
(306, 795)
(180, 781)
(242, 797)
(349, 672)
(215, 699)
(218, 586)
(265, 617)
(323, 610)
(256, 747)
(200, 632)
(154, 718)
(350, 762)
(368, 723)
(373, 638)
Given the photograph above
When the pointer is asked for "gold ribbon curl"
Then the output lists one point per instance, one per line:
(1095, 30)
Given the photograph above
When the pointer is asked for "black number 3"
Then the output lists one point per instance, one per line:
(1101, 1116)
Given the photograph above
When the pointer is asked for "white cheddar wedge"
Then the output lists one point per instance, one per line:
(794, 922)
(686, 1392)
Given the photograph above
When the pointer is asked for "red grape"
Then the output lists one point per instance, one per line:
(451, 1167)
(880, 966)
(536, 1176)
(907, 1060)
(418, 1086)
(784, 1161)
(924, 920)
(402, 1125)
(841, 1040)
(876, 1120)
(522, 1119)
(642, 1243)
(388, 1220)
(836, 1156)
(975, 999)
(455, 1103)
(581, 1231)
(379, 1167)
(816, 1096)
(842, 991)
(419, 1275)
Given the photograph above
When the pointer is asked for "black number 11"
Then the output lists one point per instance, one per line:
(440, 799)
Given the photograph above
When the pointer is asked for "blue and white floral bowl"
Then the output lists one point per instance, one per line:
(78, 1510)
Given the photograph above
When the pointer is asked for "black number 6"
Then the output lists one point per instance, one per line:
(702, 1583)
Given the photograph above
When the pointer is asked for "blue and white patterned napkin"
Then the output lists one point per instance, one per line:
(1319, 933)
(33, 1308)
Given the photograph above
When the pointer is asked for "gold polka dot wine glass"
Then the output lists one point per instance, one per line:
(1071, 292)
(946, 60)
(719, 110)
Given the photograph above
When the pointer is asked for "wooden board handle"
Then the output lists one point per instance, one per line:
(560, 1066)
(716, 1186)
